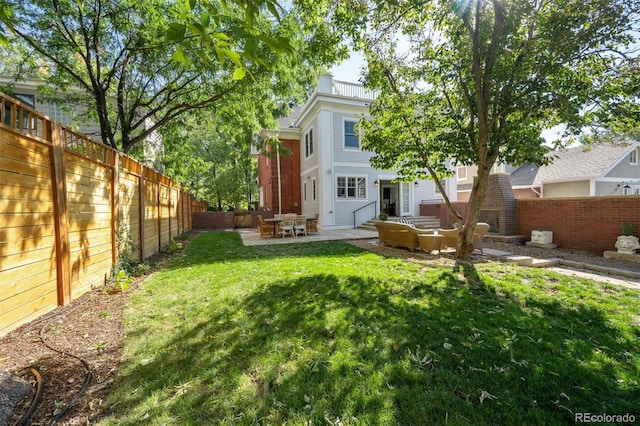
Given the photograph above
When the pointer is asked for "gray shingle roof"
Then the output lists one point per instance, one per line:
(581, 162)
(524, 175)
(291, 118)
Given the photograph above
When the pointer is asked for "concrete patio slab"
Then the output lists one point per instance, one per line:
(251, 237)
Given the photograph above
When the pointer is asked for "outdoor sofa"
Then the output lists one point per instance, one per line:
(396, 234)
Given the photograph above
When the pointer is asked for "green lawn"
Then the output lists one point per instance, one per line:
(327, 333)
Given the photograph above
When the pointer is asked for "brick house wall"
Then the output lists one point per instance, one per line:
(290, 179)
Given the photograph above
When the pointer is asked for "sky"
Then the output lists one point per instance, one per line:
(349, 70)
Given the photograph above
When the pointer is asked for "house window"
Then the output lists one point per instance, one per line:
(351, 139)
(633, 157)
(444, 186)
(29, 100)
(313, 189)
(352, 187)
(462, 172)
(61, 114)
(308, 143)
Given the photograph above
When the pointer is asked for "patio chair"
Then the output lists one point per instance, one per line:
(287, 226)
(267, 230)
(312, 224)
(300, 225)
(450, 238)
(478, 236)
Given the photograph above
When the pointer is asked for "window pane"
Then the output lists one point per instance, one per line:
(362, 188)
(351, 187)
(350, 138)
(314, 189)
(342, 188)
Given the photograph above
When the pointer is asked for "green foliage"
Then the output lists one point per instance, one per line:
(122, 281)
(173, 246)
(125, 248)
(627, 228)
(383, 216)
(312, 333)
(210, 156)
(481, 80)
(145, 63)
(141, 269)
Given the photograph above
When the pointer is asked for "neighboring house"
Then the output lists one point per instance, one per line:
(466, 174)
(26, 91)
(330, 174)
(601, 169)
(71, 115)
(582, 171)
(523, 182)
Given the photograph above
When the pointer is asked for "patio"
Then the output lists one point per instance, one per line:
(251, 236)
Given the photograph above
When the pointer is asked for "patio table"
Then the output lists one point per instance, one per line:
(276, 225)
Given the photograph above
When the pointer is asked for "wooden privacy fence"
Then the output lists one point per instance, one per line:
(63, 198)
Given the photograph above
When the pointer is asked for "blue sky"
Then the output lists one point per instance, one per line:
(349, 70)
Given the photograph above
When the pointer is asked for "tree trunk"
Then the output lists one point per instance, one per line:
(478, 194)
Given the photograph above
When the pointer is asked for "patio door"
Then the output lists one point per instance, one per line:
(405, 203)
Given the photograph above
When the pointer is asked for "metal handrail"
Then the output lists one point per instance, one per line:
(357, 210)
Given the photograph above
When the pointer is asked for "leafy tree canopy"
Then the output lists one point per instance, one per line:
(476, 81)
(144, 63)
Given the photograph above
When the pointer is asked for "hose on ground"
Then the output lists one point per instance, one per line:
(34, 401)
(84, 362)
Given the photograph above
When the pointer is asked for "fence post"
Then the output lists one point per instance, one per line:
(159, 201)
(141, 212)
(169, 203)
(59, 185)
(115, 205)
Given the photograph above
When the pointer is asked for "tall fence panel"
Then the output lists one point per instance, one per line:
(64, 202)
(130, 205)
(28, 268)
(88, 186)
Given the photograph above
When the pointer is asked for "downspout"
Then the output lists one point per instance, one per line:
(279, 182)
(533, 189)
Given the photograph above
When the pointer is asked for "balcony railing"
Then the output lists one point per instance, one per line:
(353, 90)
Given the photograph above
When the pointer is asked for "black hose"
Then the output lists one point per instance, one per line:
(87, 379)
(34, 401)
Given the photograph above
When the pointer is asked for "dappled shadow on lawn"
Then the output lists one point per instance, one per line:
(439, 346)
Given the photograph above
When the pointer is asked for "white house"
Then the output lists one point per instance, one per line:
(337, 180)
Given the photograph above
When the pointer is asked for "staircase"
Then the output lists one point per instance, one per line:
(425, 222)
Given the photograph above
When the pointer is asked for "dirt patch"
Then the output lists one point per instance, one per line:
(76, 349)
(516, 249)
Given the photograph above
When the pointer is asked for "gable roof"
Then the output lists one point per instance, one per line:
(524, 175)
(582, 163)
(289, 121)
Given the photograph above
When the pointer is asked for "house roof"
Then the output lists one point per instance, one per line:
(582, 162)
(289, 121)
(524, 175)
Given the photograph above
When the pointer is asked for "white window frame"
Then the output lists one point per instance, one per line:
(308, 143)
(444, 185)
(458, 174)
(355, 133)
(359, 181)
(633, 157)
